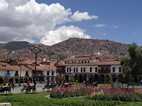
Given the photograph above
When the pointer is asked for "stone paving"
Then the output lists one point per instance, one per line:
(17, 88)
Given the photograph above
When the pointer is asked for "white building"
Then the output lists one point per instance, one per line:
(92, 68)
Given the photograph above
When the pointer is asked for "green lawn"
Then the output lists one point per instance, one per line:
(42, 100)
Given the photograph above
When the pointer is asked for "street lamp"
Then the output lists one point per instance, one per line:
(35, 50)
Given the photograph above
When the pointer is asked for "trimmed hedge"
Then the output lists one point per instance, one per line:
(122, 97)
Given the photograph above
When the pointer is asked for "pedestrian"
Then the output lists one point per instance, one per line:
(34, 87)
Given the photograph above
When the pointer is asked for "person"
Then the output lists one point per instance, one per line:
(28, 83)
(34, 85)
(12, 86)
(11, 83)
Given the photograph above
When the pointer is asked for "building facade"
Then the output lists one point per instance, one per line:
(92, 69)
(44, 73)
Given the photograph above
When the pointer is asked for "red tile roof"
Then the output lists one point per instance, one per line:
(93, 60)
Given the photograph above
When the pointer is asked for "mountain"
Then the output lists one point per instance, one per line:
(17, 45)
(72, 46)
(77, 46)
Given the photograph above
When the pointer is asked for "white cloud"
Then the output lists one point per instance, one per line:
(3, 4)
(63, 33)
(79, 16)
(30, 20)
(13, 3)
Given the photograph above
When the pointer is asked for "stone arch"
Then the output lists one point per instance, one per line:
(107, 78)
(120, 78)
(102, 78)
(114, 77)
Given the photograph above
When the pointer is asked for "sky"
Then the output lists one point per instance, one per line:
(52, 21)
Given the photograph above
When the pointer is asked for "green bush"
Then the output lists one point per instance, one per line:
(122, 97)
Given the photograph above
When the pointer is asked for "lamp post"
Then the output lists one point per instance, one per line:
(35, 50)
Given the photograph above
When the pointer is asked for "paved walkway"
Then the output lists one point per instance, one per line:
(17, 89)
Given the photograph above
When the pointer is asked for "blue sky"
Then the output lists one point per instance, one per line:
(53, 21)
(119, 20)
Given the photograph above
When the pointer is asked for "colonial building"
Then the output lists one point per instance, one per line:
(91, 68)
(100, 68)
(25, 70)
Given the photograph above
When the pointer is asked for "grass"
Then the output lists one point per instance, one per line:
(42, 100)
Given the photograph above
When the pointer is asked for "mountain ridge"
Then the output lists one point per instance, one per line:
(69, 47)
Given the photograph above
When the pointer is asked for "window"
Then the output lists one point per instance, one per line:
(72, 61)
(120, 69)
(90, 69)
(88, 61)
(84, 69)
(81, 69)
(68, 69)
(82, 61)
(48, 73)
(52, 73)
(27, 74)
(74, 69)
(3, 65)
(96, 69)
(113, 69)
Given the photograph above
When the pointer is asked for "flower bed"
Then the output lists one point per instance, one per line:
(72, 91)
(115, 91)
(82, 90)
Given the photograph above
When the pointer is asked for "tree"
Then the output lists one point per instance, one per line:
(60, 78)
(132, 64)
(126, 70)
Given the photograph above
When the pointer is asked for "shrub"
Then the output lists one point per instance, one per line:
(122, 97)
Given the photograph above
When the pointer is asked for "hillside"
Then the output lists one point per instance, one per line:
(76, 46)
(72, 46)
